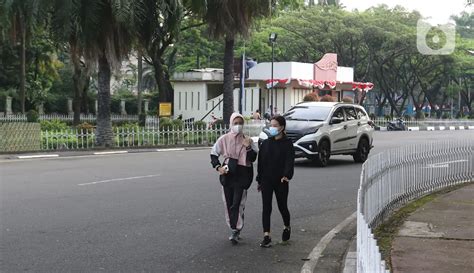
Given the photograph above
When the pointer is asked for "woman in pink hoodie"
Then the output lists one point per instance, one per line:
(236, 172)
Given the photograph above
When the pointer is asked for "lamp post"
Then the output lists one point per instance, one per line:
(272, 39)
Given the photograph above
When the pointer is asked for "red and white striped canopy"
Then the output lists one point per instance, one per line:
(366, 86)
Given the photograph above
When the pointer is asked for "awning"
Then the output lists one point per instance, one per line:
(277, 83)
(365, 86)
(281, 83)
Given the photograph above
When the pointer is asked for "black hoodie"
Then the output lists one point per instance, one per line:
(276, 159)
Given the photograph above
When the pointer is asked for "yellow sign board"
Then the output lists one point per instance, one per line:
(165, 109)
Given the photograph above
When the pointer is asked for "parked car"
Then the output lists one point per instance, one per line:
(321, 129)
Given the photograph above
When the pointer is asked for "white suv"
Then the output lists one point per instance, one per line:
(321, 129)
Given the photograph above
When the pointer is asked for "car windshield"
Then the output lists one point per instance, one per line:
(308, 113)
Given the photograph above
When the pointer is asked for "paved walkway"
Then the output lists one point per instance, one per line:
(438, 237)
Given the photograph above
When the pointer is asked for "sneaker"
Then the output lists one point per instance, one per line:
(285, 236)
(238, 235)
(267, 242)
(234, 237)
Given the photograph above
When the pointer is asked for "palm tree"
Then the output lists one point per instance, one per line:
(104, 33)
(158, 23)
(20, 18)
(227, 19)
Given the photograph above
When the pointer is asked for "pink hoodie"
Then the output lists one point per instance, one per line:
(231, 144)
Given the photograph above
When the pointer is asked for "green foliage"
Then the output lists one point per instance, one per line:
(169, 124)
(32, 116)
(200, 124)
(128, 126)
(218, 124)
(53, 125)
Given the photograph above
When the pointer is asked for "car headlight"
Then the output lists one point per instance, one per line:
(311, 131)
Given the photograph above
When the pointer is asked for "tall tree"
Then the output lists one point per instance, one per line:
(104, 33)
(158, 23)
(20, 18)
(228, 19)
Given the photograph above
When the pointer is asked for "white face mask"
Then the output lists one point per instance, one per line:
(237, 129)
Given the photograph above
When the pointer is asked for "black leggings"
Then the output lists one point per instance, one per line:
(281, 193)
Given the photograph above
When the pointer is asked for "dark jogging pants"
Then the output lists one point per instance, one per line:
(281, 193)
(235, 196)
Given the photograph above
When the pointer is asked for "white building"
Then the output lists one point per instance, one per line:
(199, 92)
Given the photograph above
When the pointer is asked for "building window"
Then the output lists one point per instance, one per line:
(199, 100)
(185, 100)
(179, 100)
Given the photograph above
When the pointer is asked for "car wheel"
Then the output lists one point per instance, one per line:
(324, 152)
(362, 152)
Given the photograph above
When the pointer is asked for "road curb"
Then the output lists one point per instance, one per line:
(432, 128)
(70, 154)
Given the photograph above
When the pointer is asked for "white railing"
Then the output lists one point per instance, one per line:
(75, 139)
(393, 178)
(382, 122)
(63, 117)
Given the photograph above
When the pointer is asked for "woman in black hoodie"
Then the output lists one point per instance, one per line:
(275, 169)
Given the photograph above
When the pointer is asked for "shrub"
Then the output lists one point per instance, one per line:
(200, 124)
(177, 124)
(32, 116)
(218, 124)
(311, 97)
(129, 126)
(85, 127)
(328, 98)
(372, 116)
(165, 123)
(347, 100)
(53, 125)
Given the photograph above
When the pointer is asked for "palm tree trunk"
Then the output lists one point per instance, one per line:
(104, 136)
(77, 99)
(163, 86)
(228, 88)
(85, 97)
(23, 64)
(139, 81)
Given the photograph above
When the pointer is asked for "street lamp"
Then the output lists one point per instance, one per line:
(272, 39)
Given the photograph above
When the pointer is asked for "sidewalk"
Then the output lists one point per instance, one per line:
(438, 237)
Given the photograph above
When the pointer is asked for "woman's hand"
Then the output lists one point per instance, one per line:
(222, 170)
(247, 141)
(284, 179)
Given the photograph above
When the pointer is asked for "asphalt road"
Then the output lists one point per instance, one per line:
(163, 212)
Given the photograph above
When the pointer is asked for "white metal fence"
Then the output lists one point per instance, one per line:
(63, 117)
(425, 123)
(75, 139)
(393, 178)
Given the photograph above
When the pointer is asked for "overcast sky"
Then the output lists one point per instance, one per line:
(438, 10)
